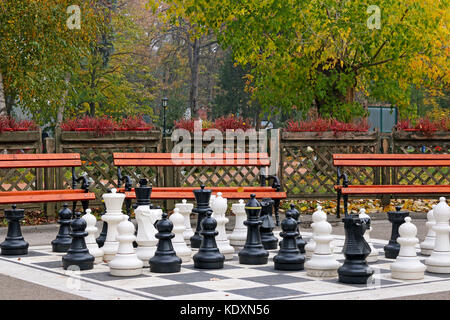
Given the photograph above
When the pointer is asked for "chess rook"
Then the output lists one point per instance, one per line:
(91, 229)
(179, 245)
(373, 255)
(407, 266)
(427, 246)
(202, 199)
(186, 210)
(14, 243)
(102, 236)
(439, 261)
(125, 263)
(239, 234)
(219, 207)
(397, 217)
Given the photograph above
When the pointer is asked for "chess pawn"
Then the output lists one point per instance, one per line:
(165, 259)
(208, 255)
(145, 234)
(427, 246)
(407, 266)
(322, 262)
(179, 245)
(202, 199)
(317, 216)
(289, 256)
(253, 252)
(439, 261)
(219, 207)
(125, 263)
(113, 216)
(14, 243)
(373, 256)
(91, 244)
(239, 234)
(78, 254)
(63, 238)
(300, 241)
(186, 210)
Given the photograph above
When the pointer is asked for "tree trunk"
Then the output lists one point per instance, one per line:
(3, 110)
(60, 114)
(194, 64)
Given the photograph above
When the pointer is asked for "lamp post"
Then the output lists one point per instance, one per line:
(164, 105)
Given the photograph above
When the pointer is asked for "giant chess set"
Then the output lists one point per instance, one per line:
(164, 258)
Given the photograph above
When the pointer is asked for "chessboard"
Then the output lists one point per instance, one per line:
(234, 281)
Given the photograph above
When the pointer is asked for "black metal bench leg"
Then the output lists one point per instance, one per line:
(345, 204)
(338, 205)
(85, 204)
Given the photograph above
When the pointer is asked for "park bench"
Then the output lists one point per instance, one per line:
(47, 160)
(386, 160)
(260, 160)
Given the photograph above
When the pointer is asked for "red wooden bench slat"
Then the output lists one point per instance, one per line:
(190, 163)
(55, 197)
(214, 189)
(190, 195)
(39, 192)
(39, 163)
(40, 156)
(392, 163)
(158, 156)
(382, 156)
(389, 189)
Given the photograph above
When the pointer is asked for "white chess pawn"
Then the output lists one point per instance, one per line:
(146, 239)
(186, 210)
(317, 216)
(322, 262)
(211, 200)
(407, 265)
(179, 245)
(373, 256)
(91, 244)
(439, 261)
(219, 207)
(427, 246)
(113, 216)
(239, 235)
(125, 263)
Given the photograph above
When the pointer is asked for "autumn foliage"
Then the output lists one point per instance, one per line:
(223, 123)
(321, 125)
(10, 124)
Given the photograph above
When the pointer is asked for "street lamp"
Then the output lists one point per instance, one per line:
(164, 105)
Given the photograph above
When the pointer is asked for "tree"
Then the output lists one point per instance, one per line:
(305, 53)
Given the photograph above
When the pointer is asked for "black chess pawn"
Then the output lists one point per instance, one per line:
(202, 197)
(63, 239)
(392, 249)
(165, 259)
(78, 254)
(14, 243)
(253, 252)
(208, 255)
(268, 239)
(102, 236)
(289, 256)
(355, 269)
(300, 241)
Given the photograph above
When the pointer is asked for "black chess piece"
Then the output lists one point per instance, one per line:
(143, 193)
(165, 259)
(253, 252)
(300, 241)
(102, 236)
(14, 243)
(78, 254)
(63, 239)
(208, 255)
(289, 256)
(392, 249)
(202, 197)
(268, 239)
(355, 269)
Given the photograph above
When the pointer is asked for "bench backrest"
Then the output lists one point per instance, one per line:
(40, 160)
(391, 160)
(191, 159)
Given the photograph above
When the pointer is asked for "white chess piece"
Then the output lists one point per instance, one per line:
(407, 265)
(125, 263)
(186, 210)
(91, 244)
(113, 216)
(427, 246)
(211, 200)
(373, 256)
(317, 216)
(146, 239)
(322, 262)
(179, 245)
(239, 235)
(439, 261)
(219, 207)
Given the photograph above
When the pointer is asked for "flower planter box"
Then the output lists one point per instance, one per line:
(415, 134)
(139, 135)
(20, 136)
(329, 135)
